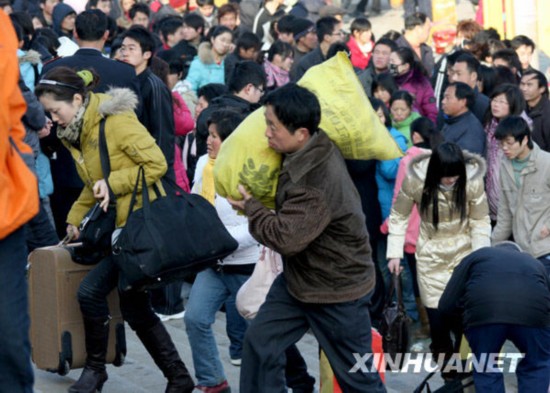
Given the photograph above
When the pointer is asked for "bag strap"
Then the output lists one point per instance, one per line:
(425, 384)
(104, 158)
(395, 286)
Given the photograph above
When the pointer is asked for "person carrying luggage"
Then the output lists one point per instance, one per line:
(78, 113)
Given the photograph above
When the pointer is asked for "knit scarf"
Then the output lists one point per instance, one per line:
(71, 133)
(208, 190)
(275, 76)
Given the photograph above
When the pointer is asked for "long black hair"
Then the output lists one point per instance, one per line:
(447, 160)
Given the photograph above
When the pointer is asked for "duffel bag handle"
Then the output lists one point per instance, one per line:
(395, 286)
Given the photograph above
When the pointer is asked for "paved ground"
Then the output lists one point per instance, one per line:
(140, 375)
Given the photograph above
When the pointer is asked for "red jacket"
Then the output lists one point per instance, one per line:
(18, 185)
(358, 58)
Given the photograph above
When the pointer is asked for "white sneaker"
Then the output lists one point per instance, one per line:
(235, 362)
(165, 318)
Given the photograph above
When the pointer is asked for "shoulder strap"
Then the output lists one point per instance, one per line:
(104, 157)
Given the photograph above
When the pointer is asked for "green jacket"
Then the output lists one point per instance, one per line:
(130, 146)
(404, 127)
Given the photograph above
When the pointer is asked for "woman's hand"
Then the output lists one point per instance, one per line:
(73, 232)
(101, 191)
(394, 266)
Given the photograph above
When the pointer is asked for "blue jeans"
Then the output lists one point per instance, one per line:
(533, 371)
(210, 290)
(16, 373)
(406, 279)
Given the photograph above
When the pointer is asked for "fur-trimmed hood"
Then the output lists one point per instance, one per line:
(31, 56)
(205, 53)
(121, 100)
(475, 166)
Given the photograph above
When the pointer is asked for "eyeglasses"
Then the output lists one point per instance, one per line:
(260, 89)
(500, 102)
(507, 143)
(339, 33)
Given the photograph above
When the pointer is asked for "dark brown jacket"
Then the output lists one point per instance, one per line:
(319, 226)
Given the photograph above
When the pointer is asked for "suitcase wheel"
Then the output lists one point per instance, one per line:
(120, 345)
(66, 354)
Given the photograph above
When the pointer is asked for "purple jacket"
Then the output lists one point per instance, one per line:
(419, 86)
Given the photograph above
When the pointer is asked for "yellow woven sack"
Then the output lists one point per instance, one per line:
(346, 113)
(246, 158)
(346, 116)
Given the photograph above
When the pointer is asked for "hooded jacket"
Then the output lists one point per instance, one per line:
(18, 186)
(60, 11)
(318, 228)
(130, 146)
(421, 89)
(204, 69)
(30, 66)
(525, 210)
(439, 251)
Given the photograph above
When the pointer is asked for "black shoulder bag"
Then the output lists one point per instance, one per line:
(169, 239)
(395, 326)
(97, 226)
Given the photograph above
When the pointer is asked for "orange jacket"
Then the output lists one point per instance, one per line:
(18, 185)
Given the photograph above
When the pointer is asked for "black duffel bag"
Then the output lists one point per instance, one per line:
(169, 239)
(395, 326)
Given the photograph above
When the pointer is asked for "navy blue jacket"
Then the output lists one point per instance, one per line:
(466, 131)
(499, 285)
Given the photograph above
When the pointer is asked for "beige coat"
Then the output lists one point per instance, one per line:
(438, 252)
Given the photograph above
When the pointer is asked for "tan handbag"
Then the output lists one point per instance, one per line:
(253, 292)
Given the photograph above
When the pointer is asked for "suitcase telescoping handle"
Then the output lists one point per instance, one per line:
(65, 242)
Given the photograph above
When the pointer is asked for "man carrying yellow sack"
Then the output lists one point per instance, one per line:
(18, 204)
(318, 227)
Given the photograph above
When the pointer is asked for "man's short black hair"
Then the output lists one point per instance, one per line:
(295, 107)
(325, 26)
(472, 64)
(170, 25)
(211, 91)
(521, 40)
(92, 4)
(246, 72)
(143, 37)
(91, 25)
(139, 7)
(464, 92)
(516, 127)
(509, 56)
(416, 19)
(387, 42)
(541, 79)
(226, 121)
(248, 40)
(195, 21)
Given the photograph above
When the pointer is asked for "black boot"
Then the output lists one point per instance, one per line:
(158, 343)
(94, 375)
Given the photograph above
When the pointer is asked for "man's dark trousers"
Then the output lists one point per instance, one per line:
(533, 371)
(342, 329)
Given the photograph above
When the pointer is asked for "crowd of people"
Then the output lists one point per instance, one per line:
(171, 80)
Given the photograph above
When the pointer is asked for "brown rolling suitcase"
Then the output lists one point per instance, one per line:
(57, 329)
